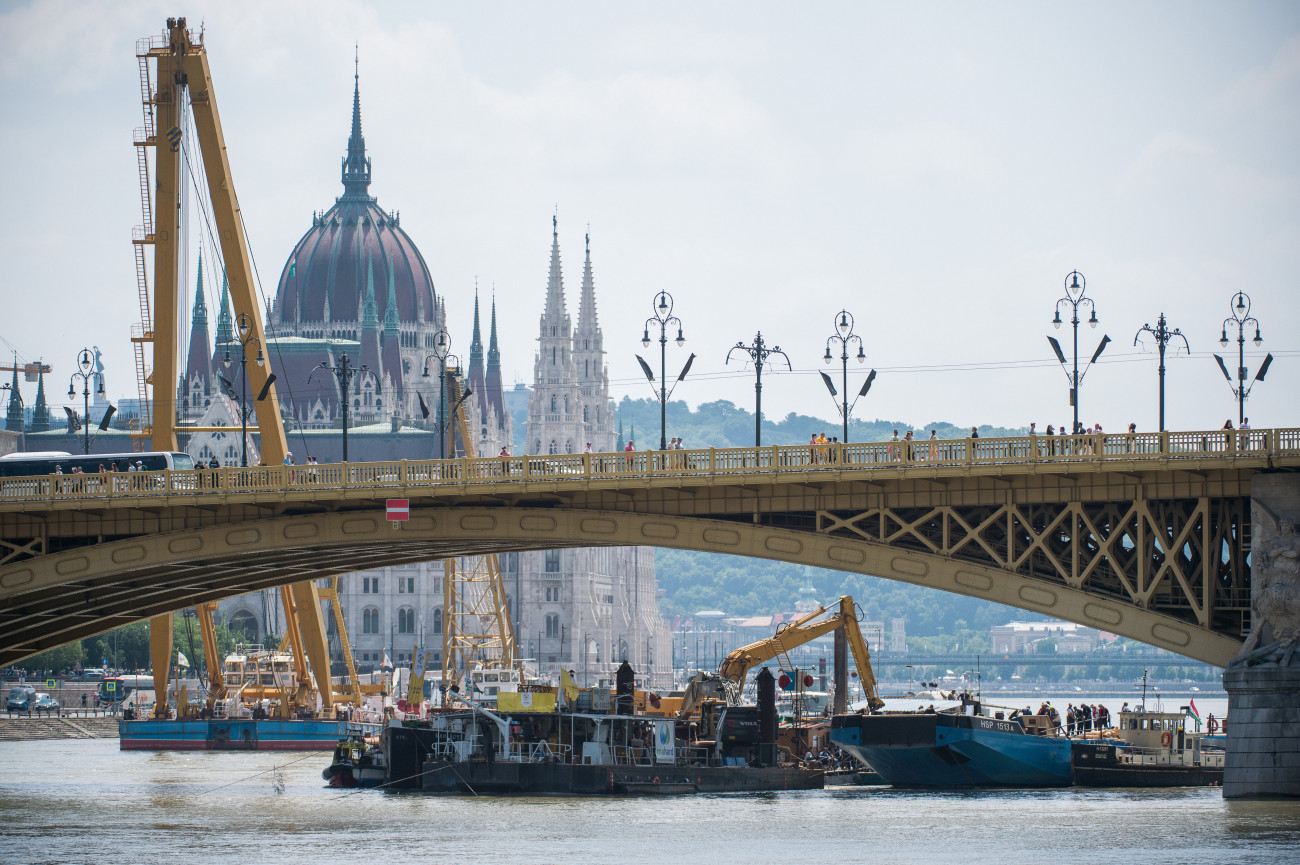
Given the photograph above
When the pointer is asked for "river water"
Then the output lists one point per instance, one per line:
(85, 801)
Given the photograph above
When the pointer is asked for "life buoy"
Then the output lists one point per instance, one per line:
(1166, 739)
(1213, 726)
(655, 779)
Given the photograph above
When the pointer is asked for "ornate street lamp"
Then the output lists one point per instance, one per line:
(85, 371)
(758, 353)
(845, 336)
(442, 353)
(246, 337)
(345, 372)
(1163, 336)
(1241, 317)
(663, 317)
(1075, 286)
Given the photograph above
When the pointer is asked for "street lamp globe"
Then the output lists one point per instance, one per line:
(1258, 338)
(1223, 338)
(844, 327)
(862, 355)
(1056, 322)
(645, 338)
(1092, 320)
(827, 357)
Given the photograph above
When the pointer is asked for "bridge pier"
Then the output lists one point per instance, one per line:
(1263, 682)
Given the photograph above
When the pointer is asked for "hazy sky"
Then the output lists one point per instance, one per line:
(935, 168)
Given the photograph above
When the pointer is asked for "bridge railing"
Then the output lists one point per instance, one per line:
(1090, 449)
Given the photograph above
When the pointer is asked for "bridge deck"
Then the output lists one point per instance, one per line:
(942, 459)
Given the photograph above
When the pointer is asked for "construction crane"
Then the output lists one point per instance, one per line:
(727, 684)
(181, 81)
(30, 371)
(476, 626)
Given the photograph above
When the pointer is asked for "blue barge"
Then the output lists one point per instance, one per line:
(232, 734)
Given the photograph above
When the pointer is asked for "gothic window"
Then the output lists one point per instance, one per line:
(555, 448)
(370, 621)
(437, 620)
(566, 404)
(406, 621)
(552, 561)
(406, 367)
(568, 447)
(552, 330)
(552, 355)
(586, 368)
(537, 446)
(586, 414)
(552, 626)
(554, 403)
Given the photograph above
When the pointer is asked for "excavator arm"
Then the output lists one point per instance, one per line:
(803, 629)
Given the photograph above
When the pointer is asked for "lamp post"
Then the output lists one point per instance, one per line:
(442, 353)
(1075, 286)
(244, 325)
(663, 317)
(1241, 317)
(758, 353)
(1163, 336)
(845, 336)
(344, 372)
(85, 371)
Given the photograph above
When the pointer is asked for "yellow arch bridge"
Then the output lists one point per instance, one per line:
(1144, 535)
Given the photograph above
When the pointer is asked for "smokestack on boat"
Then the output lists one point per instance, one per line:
(624, 689)
(766, 683)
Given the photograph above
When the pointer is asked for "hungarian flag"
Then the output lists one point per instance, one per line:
(1191, 710)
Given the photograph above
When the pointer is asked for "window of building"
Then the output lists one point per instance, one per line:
(406, 585)
(554, 403)
(370, 585)
(555, 448)
(406, 621)
(370, 621)
(552, 561)
(437, 620)
(586, 414)
(552, 626)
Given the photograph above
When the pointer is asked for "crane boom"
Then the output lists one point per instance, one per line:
(803, 629)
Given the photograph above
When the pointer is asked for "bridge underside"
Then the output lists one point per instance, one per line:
(1166, 564)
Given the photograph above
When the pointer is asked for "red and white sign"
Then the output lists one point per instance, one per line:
(399, 510)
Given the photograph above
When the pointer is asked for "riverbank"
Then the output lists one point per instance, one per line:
(18, 728)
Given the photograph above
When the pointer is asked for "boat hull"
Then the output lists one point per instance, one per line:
(1098, 764)
(270, 734)
(934, 750)
(481, 776)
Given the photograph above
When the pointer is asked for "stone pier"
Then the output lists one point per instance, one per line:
(1263, 682)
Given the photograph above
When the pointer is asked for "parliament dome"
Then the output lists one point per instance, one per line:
(322, 288)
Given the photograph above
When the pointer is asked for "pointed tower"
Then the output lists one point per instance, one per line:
(14, 417)
(365, 384)
(356, 165)
(392, 346)
(589, 366)
(225, 326)
(495, 395)
(554, 409)
(40, 414)
(477, 381)
(200, 357)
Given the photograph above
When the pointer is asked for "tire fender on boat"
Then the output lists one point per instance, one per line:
(1166, 739)
(655, 779)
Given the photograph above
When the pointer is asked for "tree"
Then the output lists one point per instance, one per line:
(60, 658)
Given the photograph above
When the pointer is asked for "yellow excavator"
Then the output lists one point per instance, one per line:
(729, 681)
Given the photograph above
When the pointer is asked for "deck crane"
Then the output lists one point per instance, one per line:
(729, 681)
(180, 88)
(476, 630)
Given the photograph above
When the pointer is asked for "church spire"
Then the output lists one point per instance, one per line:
(356, 165)
(587, 324)
(40, 414)
(225, 322)
(390, 313)
(14, 417)
(476, 342)
(495, 397)
(555, 283)
(200, 317)
(370, 312)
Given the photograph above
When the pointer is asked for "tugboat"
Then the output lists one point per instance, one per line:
(598, 746)
(1153, 749)
(358, 762)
